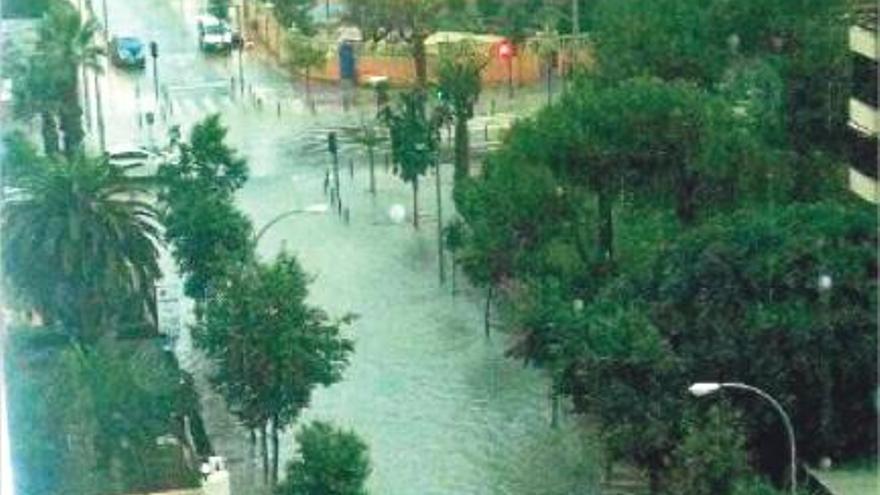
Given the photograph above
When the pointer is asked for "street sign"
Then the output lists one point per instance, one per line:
(506, 50)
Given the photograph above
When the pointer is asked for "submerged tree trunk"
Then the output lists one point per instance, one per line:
(49, 132)
(415, 186)
(440, 254)
(488, 313)
(462, 148)
(274, 473)
(264, 452)
(372, 157)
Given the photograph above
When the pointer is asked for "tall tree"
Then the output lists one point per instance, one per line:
(210, 237)
(329, 462)
(303, 56)
(219, 8)
(295, 14)
(415, 139)
(35, 93)
(267, 371)
(77, 234)
(410, 20)
(782, 298)
(66, 43)
(459, 75)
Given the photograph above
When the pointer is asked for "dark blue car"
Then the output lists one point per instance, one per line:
(127, 51)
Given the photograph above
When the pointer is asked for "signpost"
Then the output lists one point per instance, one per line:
(506, 52)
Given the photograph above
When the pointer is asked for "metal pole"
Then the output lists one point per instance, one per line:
(106, 18)
(238, 15)
(156, 78)
(510, 77)
(789, 429)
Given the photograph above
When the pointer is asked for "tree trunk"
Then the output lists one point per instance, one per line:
(488, 313)
(264, 453)
(309, 101)
(606, 225)
(440, 254)
(454, 269)
(554, 407)
(421, 61)
(71, 121)
(654, 484)
(49, 131)
(415, 186)
(685, 204)
(462, 151)
(372, 156)
(274, 473)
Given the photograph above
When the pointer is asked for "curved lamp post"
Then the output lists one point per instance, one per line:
(704, 389)
(314, 209)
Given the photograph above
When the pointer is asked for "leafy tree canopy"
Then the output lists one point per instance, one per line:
(329, 462)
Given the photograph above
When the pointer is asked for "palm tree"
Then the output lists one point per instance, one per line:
(367, 135)
(79, 237)
(34, 93)
(459, 74)
(66, 43)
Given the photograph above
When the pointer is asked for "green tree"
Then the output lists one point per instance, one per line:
(219, 8)
(209, 236)
(66, 43)
(329, 462)
(267, 371)
(76, 234)
(411, 20)
(368, 135)
(295, 13)
(744, 297)
(35, 93)
(459, 75)
(415, 139)
(711, 458)
(302, 57)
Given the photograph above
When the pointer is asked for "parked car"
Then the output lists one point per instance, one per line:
(128, 51)
(137, 161)
(215, 35)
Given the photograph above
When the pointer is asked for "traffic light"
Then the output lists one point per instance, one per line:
(154, 49)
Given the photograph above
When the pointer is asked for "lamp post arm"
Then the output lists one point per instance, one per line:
(789, 429)
(274, 221)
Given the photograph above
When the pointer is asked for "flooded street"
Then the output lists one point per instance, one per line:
(441, 409)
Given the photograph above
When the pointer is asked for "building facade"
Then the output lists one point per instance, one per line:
(864, 118)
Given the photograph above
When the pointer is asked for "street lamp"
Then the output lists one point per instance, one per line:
(706, 388)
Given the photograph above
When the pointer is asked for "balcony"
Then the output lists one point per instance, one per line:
(863, 40)
(863, 117)
(864, 186)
